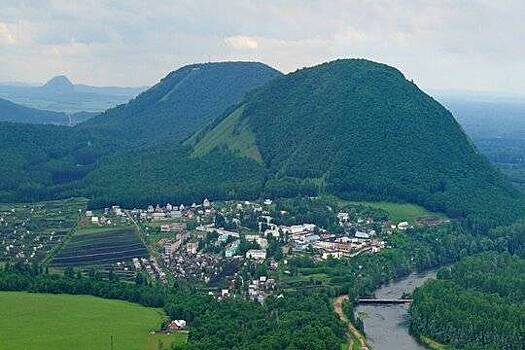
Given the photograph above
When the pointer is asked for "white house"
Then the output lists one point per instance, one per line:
(257, 254)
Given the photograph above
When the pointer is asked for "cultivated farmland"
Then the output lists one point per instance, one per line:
(100, 246)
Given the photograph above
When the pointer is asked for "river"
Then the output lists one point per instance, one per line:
(386, 326)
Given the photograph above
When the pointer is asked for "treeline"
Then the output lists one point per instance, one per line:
(478, 303)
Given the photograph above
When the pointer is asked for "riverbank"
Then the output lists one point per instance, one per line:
(387, 325)
(432, 344)
(356, 340)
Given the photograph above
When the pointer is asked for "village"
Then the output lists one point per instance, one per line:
(229, 248)
(237, 247)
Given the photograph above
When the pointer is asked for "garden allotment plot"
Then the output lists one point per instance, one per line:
(29, 232)
(100, 246)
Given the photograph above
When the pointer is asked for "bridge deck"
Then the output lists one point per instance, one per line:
(385, 301)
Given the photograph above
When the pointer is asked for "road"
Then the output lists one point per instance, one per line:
(353, 333)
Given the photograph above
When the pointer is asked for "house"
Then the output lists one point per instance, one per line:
(251, 238)
(362, 235)
(257, 254)
(262, 242)
(89, 213)
(402, 225)
(94, 219)
(334, 255)
(192, 248)
(177, 325)
(170, 248)
(206, 203)
(311, 238)
(158, 216)
(343, 217)
(232, 248)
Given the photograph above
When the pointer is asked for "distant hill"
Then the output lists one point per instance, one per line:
(496, 124)
(11, 112)
(359, 129)
(183, 102)
(59, 94)
(59, 84)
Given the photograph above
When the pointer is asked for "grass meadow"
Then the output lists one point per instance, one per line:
(64, 322)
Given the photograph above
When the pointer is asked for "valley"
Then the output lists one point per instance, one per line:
(230, 205)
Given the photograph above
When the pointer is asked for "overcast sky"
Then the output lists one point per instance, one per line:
(459, 45)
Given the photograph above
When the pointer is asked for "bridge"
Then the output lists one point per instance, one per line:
(385, 301)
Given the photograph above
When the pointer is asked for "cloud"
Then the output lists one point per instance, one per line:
(5, 35)
(474, 45)
(241, 42)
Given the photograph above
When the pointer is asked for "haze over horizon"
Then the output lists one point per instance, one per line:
(441, 46)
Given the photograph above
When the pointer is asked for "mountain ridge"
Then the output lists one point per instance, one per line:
(183, 101)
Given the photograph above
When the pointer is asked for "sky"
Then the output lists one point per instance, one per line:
(441, 45)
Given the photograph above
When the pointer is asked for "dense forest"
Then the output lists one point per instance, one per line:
(171, 174)
(479, 303)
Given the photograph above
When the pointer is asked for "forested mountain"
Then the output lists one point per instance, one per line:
(42, 162)
(183, 102)
(11, 112)
(359, 129)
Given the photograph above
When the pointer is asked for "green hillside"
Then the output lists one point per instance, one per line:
(170, 173)
(230, 132)
(363, 131)
(183, 102)
(34, 158)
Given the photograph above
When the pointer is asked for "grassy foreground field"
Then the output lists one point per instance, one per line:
(59, 322)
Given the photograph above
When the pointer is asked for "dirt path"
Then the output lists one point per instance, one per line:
(355, 334)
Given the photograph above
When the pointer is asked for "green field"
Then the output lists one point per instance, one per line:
(45, 321)
(399, 212)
